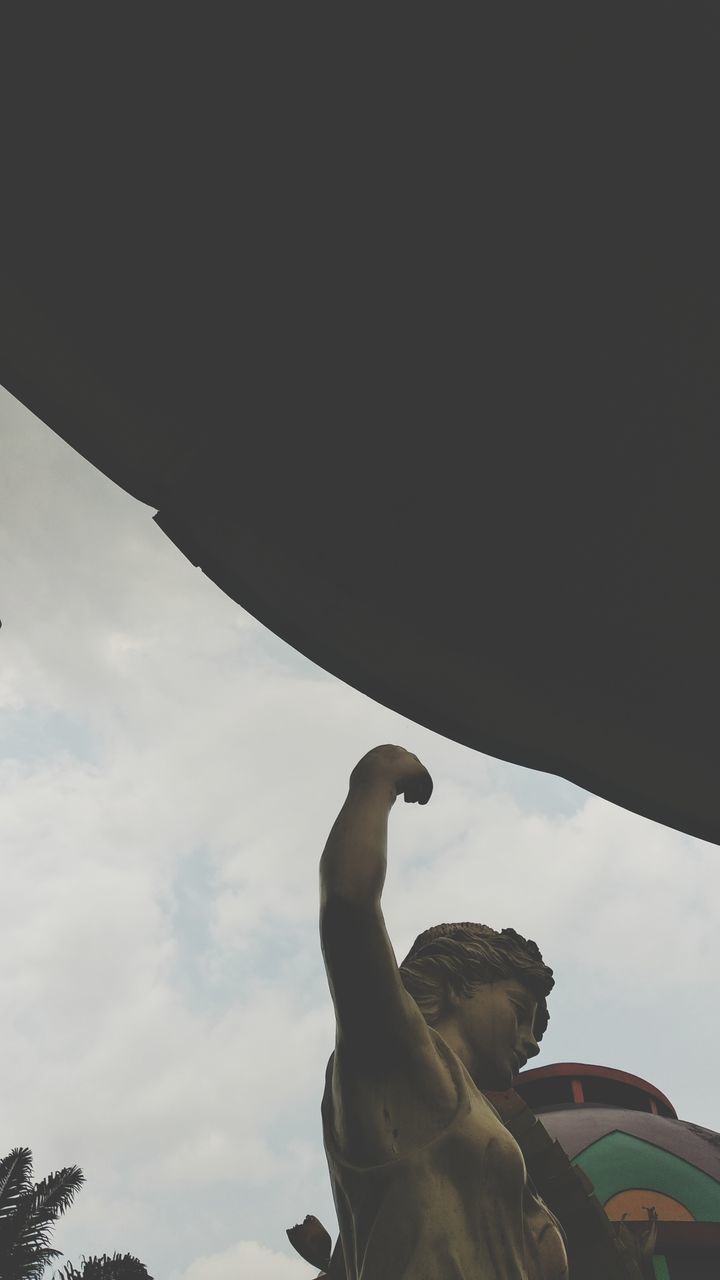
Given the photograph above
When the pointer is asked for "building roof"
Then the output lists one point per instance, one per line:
(456, 440)
(633, 1152)
(578, 1128)
(562, 1083)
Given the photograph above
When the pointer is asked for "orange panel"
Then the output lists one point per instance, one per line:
(634, 1204)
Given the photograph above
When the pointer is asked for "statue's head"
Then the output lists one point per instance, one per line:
(489, 986)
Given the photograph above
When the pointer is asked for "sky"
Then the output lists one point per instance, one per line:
(169, 771)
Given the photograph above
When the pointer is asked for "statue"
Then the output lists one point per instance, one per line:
(428, 1182)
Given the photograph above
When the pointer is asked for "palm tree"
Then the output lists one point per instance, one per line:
(106, 1268)
(28, 1212)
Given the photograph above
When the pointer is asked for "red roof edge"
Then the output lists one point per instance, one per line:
(580, 1069)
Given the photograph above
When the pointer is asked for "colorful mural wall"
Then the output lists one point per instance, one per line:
(626, 1136)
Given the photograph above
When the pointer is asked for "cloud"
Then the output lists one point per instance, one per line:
(247, 1259)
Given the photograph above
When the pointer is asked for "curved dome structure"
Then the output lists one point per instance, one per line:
(626, 1136)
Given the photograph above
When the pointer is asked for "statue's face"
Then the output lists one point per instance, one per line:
(496, 1023)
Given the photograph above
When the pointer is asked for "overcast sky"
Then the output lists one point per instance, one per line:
(169, 773)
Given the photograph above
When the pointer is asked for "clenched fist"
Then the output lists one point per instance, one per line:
(398, 767)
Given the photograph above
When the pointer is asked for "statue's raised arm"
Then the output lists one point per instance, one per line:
(376, 1018)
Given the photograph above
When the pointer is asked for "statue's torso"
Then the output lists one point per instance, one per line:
(437, 1192)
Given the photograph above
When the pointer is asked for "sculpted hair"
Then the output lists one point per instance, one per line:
(462, 957)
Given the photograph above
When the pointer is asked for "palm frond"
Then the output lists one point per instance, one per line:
(26, 1227)
(117, 1267)
(55, 1194)
(27, 1264)
(15, 1177)
(37, 1209)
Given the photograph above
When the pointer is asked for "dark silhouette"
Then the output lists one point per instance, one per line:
(28, 1213)
(117, 1267)
(310, 1239)
(445, 421)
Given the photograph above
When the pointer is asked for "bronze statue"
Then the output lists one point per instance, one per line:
(428, 1182)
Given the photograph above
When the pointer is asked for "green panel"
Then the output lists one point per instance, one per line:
(661, 1268)
(618, 1162)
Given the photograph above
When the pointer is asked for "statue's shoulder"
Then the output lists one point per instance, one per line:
(373, 1116)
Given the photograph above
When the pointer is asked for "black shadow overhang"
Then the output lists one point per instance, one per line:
(432, 392)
